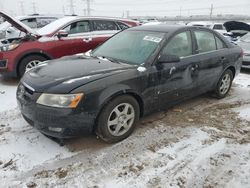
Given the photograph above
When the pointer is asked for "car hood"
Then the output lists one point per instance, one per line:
(235, 25)
(68, 73)
(17, 24)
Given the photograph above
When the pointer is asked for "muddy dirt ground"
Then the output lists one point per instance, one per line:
(203, 142)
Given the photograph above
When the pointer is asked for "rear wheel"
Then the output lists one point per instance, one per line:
(224, 84)
(29, 62)
(118, 118)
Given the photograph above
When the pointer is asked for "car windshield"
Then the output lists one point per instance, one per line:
(132, 47)
(246, 38)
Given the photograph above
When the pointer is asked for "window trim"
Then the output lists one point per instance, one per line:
(90, 26)
(173, 35)
(113, 21)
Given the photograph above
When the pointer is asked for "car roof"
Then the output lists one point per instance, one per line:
(37, 16)
(52, 27)
(160, 28)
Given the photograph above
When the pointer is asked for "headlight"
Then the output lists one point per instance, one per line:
(60, 100)
(8, 47)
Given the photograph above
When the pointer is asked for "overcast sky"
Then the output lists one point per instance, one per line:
(131, 7)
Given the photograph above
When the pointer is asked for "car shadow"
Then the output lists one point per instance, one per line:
(9, 81)
(245, 70)
(149, 122)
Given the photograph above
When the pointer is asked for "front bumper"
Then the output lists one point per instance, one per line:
(54, 122)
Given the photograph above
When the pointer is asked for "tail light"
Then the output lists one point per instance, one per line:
(241, 53)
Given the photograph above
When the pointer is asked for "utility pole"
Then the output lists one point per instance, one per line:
(63, 10)
(71, 6)
(22, 7)
(88, 9)
(127, 13)
(1, 5)
(211, 11)
(180, 11)
(34, 7)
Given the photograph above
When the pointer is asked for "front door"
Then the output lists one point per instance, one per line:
(79, 40)
(177, 80)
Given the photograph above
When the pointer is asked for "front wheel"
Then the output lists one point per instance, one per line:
(224, 84)
(118, 118)
(29, 62)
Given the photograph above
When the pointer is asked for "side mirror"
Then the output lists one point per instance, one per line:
(62, 33)
(165, 58)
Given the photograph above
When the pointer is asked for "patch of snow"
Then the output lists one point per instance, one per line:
(141, 69)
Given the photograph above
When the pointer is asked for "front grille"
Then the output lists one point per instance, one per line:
(3, 64)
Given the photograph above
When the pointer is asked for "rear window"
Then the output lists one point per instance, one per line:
(122, 26)
(102, 25)
(41, 22)
(218, 27)
(205, 41)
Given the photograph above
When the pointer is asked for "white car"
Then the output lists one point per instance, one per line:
(33, 21)
(244, 43)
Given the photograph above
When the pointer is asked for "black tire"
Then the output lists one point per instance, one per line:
(22, 65)
(103, 130)
(218, 93)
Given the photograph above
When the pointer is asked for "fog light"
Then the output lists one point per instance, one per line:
(55, 129)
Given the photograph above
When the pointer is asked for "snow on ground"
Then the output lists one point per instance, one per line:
(203, 142)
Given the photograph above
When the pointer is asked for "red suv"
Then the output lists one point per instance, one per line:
(65, 36)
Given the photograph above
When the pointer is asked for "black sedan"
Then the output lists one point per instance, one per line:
(136, 72)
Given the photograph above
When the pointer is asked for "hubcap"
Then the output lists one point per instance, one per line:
(32, 64)
(121, 119)
(225, 84)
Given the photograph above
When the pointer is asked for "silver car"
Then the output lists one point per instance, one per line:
(244, 43)
(33, 21)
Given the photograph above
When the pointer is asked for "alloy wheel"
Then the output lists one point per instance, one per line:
(225, 84)
(32, 64)
(121, 119)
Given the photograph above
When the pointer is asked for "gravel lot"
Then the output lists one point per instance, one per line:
(203, 142)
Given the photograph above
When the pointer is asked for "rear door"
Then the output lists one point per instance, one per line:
(211, 54)
(103, 30)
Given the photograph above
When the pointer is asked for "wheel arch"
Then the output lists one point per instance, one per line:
(27, 54)
(232, 68)
(109, 98)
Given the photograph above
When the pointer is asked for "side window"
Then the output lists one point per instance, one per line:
(31, 22)
(219, 43)
(180, 45)
(102, 25)
(122, 26)
(205, 41)
(41, 22)
(218, 27)
(78, 27)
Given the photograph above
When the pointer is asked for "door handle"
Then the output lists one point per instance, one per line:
(194, 67)
(87, 39)
(223, 58)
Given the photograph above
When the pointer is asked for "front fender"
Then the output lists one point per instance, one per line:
(114, 91)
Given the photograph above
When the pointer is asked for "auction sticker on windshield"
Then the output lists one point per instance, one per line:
(152, 39)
